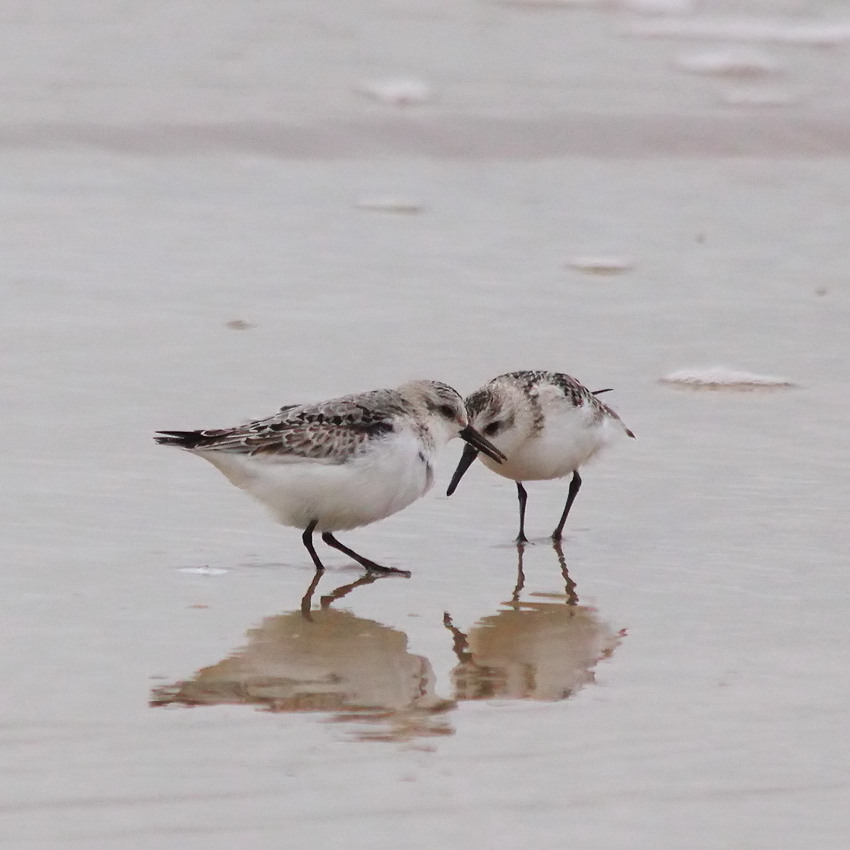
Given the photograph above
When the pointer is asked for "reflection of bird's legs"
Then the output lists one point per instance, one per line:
(575, 484)
(569, 584)
(365, 562)
(325, 601)
(347, 588)
(460, 643)
(307, 599)
(520, 574)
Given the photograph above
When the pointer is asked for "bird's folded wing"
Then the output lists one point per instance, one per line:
(327, 433)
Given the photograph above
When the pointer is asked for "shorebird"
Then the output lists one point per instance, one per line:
(340, 464)
(548, 425)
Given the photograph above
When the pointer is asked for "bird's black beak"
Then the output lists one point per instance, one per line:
(466, 459)
(474, 443)
(474, 439)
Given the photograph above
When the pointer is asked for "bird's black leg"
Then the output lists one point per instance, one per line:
(365, 562)
(575, 484)
(523, 498)
(307, 538)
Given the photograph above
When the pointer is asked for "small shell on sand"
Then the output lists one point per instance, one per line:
(721, 378)
(765, 30)
(655, 7)
(640, 7)
(548, 4)
(600, 264)
(389, 203)
(399, 91)
(732, 62)
(760, 97)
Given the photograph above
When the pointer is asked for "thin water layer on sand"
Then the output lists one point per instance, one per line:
(318, 658)
(686, 674)
(200, 240)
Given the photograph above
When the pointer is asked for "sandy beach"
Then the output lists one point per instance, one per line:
(209, 211)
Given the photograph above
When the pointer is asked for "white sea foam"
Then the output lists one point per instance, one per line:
(551, 4)
(389, 203)
(399, 91)
(760, 96)
(729, 62)
(655, 7)
(641, 7)
(601, 264)
(779, 31)
(722, 378)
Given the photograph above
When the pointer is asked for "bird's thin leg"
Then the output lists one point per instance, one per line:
(307, 538)
(365, 562)
(523, 498)
(575, 484)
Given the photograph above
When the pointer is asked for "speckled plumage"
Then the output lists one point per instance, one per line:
(329, 431)
(547, 423)
(342, 463)
(530, 382)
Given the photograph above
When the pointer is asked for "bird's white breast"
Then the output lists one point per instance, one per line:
(570, 436)
(382, 477)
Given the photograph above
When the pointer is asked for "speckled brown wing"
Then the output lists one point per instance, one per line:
(578, 394)
(329, 432)
(575, 392)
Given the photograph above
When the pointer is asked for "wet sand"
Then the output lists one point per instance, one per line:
(676, 676)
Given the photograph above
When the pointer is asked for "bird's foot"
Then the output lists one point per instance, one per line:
(391, 571)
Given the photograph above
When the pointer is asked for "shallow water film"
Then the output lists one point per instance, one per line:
(212, 210)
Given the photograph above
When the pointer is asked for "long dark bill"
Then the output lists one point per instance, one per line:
(474, 443)
(466, 460)
(473, 438)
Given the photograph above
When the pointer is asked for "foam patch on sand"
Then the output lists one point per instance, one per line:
(389, 203)
(721, 378)
(776, 31)
(601, 264)
(398, 91)
(729, 62)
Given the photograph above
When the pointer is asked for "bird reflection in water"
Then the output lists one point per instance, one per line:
(535, 649)
(324, 660)
(359, 671)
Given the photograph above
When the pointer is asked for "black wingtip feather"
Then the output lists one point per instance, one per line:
(183, 439)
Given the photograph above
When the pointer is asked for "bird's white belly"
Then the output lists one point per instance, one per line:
(565, 443)
(386, 477)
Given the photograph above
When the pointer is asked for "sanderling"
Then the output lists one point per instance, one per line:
(340, 464)
(547, 423)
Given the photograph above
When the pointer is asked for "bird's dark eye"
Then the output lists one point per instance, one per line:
(492, 429)
(447, 410)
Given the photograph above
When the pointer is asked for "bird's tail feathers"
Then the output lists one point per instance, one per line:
(182, 439)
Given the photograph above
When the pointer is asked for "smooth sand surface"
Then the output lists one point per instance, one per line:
(185, 244)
